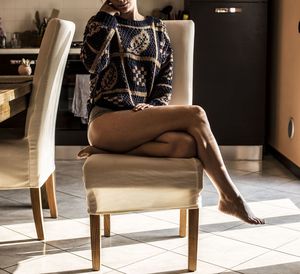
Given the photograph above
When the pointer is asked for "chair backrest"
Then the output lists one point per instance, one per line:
(182, 33)
(42, 111)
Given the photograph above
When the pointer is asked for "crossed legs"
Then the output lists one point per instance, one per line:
(160, 132)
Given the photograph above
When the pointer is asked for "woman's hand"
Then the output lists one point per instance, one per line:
(141, 106)
(109, 8)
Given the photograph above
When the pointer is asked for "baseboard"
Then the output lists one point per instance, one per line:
(285, 161)
(238, 153)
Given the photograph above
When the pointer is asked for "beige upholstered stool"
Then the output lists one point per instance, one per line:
(122, 183)
(118, 183)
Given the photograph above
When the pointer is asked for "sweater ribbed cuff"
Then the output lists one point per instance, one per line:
(106, 19)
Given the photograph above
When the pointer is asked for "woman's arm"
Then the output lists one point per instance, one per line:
(162, 88)
(97, 36)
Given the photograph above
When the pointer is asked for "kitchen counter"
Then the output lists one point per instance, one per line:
(31, 51)
(70, 130)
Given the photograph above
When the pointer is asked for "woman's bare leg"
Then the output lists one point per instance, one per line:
(124, 131)
(169, 144)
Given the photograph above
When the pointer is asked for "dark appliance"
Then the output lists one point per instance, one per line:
(230, 67)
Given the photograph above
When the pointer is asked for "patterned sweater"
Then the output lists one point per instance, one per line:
(130, 61)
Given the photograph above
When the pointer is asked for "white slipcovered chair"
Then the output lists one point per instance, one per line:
(28, 162)
(118, 183)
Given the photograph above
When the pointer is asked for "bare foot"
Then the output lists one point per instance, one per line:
(239, 209)
(88, 151)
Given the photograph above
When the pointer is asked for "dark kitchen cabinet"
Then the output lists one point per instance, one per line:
(230, 67)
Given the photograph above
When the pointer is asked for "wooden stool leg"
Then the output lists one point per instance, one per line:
(95, 240)
(182, 223)
(51, 195)
(36, 201)
(107, 225)
(44, 198)
(193, 238)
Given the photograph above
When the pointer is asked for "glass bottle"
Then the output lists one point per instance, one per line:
(2, 35)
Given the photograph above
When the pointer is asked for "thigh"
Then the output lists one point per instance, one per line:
(122, 131)
(180, 144)
(170, 144)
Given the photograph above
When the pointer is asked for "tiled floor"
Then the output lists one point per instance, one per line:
(149, 242)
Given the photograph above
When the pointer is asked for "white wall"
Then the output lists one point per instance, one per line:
(18, 15)
(146, 6)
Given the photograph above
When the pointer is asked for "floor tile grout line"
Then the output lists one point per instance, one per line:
(48, 244)
(273, 250)
(269, 188)
(27, 260)
(226, 229)
(252, 258)
(209, 191)
(277, 206)
(284, 252)
(73, 254)
(246, 173)
(141, 260)
(253, 200)
(3, 269)
(68, 218)
(267, 224)
(268, 248)
(274, 188)
(13, 200)
(64, 249)
(285, 227)
(173, 250)
(23, 203)
(160, 219)
(70, 194)
(241, 241)
(118, 271)
(116, 234)
(259, 172)
(20, 233)
(142, 242)
(234, 271)
(201, 260)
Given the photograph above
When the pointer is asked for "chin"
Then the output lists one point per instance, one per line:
(125, 10)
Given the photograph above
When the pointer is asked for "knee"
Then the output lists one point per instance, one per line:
(198, 111)
(198, 116)
(95, 137)
(183, 146)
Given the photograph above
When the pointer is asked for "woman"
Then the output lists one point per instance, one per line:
(130, 60)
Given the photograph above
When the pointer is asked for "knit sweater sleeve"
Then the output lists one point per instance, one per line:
(162, 88)
(97, 37)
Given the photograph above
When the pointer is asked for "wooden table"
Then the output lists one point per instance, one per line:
(13, 91)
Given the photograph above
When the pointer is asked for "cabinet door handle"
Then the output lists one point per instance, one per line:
(228, 10)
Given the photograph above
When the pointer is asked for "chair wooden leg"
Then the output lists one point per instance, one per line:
(107, 225)
(36, 201)
(51, 195)
(182, 223)
(193, 238)
(45, 204)
(95, 240)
